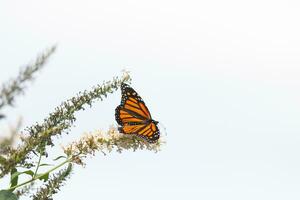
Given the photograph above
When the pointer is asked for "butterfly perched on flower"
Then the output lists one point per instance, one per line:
(134, 117)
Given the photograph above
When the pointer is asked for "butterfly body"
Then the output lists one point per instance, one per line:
(134, 117)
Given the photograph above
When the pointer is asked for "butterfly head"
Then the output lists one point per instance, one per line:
(155, 122)
(148, 121)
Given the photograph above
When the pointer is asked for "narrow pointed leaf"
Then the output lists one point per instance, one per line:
(14, 178)
(59, 157)
(45, 164)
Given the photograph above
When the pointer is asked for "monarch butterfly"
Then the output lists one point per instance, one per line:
(134, 117)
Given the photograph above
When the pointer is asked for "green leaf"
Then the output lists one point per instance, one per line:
(16, 174)
(44, 177)
(7, 195)
(29, 172)
(59, 157)
(14, 178)
(69, 168)
(45, 164)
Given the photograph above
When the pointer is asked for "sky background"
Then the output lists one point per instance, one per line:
(221, 76)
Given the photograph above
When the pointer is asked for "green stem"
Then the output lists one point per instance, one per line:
(38, 165)
(41, 175)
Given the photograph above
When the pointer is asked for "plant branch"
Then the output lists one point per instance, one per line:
(16, 86)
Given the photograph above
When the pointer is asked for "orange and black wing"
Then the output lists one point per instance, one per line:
(148, 131)
(125, 116)
(132, 109)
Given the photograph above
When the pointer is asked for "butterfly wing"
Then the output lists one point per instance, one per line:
(132, 109)
(148, 131)
(132, 101)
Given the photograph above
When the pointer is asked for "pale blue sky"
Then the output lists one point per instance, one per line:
(222, 77)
